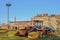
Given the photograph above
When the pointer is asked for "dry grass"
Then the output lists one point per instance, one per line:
(9, 35)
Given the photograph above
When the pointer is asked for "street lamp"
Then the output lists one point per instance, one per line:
(8, 5)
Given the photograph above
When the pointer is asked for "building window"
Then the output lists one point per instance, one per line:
(16, 28)
(12, 27)
(37, 24)
(58, 26)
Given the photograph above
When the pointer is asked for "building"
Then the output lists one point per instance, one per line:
(52, 21)
(19, 24)
(4, 26)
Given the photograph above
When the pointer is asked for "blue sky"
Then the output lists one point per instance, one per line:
(26, 9)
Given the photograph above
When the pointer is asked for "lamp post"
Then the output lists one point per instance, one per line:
(8, 5)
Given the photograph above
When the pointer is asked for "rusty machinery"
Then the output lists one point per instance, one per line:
(35, 31)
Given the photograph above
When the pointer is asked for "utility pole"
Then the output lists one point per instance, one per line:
(15, 22)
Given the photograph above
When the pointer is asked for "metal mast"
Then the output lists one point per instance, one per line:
(8, 5)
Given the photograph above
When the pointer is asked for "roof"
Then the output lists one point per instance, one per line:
(20, 22)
